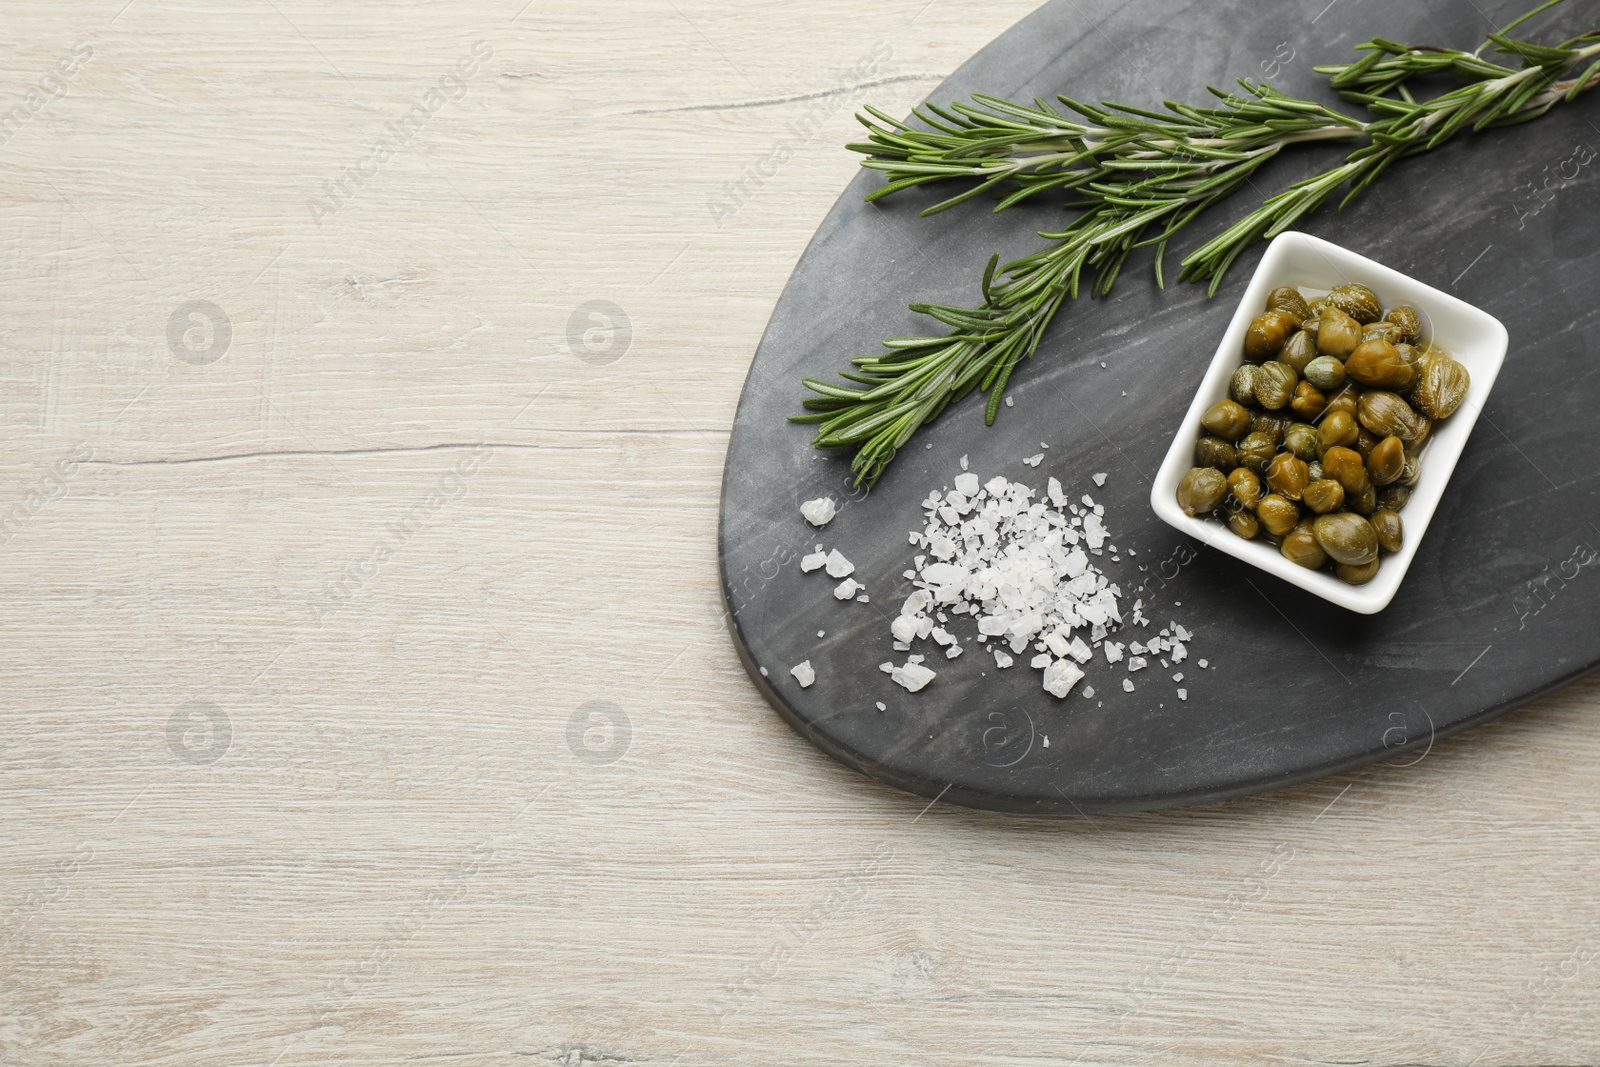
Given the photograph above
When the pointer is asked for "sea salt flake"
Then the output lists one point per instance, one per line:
(1088, 692)
(1204, 664)
(1136, 663)
(845, 589)
(882, 706)
(813, 562)
(1060, 677)
(952, 652)
(1178, 677)
(913, 676)
(1043, 659)
(819, 512)
(1127, 685)
(1001, 659)
(803, 674)
(1100, 479)
(963, 462)
(838, 566)
(1183, 694)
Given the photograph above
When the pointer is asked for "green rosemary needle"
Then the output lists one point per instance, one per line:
(1137, 177)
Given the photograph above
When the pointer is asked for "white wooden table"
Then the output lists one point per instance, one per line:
(366, 697)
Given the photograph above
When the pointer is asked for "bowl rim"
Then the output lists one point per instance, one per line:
(1484, 356)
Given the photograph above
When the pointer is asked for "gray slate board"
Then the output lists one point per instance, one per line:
(1502, 602)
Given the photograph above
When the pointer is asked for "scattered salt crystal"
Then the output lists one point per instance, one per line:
(963, 462)
(967, 485)
(1136, 663)
(1001, 659)
(1043, 659)
(803, 674)
(882, 706)
(943, 636)
(815, 561)
(1034, 461)
(915, 659)
(862, 599)
(1183, 694)
(1127, 685)
(952, 652)
(764, 672)
(1046, 740)
(1113, 651)
(1100, 479)
(886, 667)
(1204, 664)
(819, 512)
(1060, 677)
(913, 676)
(1178, 677)
(845, 589)
(1009, 402)
(822, 633)
(1080, 651)
(838, 566)
(1088, 691)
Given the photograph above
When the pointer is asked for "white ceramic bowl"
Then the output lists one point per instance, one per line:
(1474, 337)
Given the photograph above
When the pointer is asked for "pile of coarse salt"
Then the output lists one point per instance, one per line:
(1024, 569)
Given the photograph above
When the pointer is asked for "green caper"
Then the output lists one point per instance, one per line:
(1441, 386)
(1346, 537)
(1344, 466)
(1386, 523)
(1201, 490)
(1378, 364)
(1337, 428)
(1256, 451)
(1308, 401)
(1242, 386)
(1214, 452)
(1386, 413)
(1299, 350)
(1245, 487)
(1314, 470)
(1366, 441)
(1357, 573)
(1245, 524)
(1277, 514)
(1382, 331)
(1386, 460)
(1343, 399)
(1301, 439)
(1394, 497)
(1325, 372)
(1286, 475)
(1266, 335)
(1275, 384)
(1364, 502)
(1300, 546)
(1274, 423)
(1412, 472)
(1323, 495)
(1227, 420)
(1357, 301)
(1337, 333)
(1287, 298)
(1405, 316)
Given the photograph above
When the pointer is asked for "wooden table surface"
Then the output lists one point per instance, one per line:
(367, 372)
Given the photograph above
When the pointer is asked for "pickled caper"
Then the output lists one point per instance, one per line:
(1298, 351)
(1242, 386)
(1337, 333)
(1357, 301)
(1344, 466)
(1245, 487)
(1277, 514)
(1346, 537)
(1382, 331)
(1357, 573)
(1366, 441)
(1275, 384)
(1286, 475)
(1274, 423)
(1201, 490)
(1325, 372)
(1378, 364)
(1256, 450)
(1343, 399)
(1364, 502)
(1245, 524)
(1412, 472)
(1386, 413)
(1287, 298)
(1215, 452)
(1300, 546)
(1337, 428)
(1227, 420)
(1441, 385)
(1386, 523)
(1301, 439)
(1314, 469)
(1323, 495)
(1394, 497)
(1266, 335)
(1308, 401)
(1405, 316)
(1386, 460)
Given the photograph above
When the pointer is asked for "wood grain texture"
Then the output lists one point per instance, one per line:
(302, 645)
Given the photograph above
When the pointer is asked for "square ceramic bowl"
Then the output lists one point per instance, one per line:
(1474, 337)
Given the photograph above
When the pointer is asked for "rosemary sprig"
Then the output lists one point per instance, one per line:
(1138, 177)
